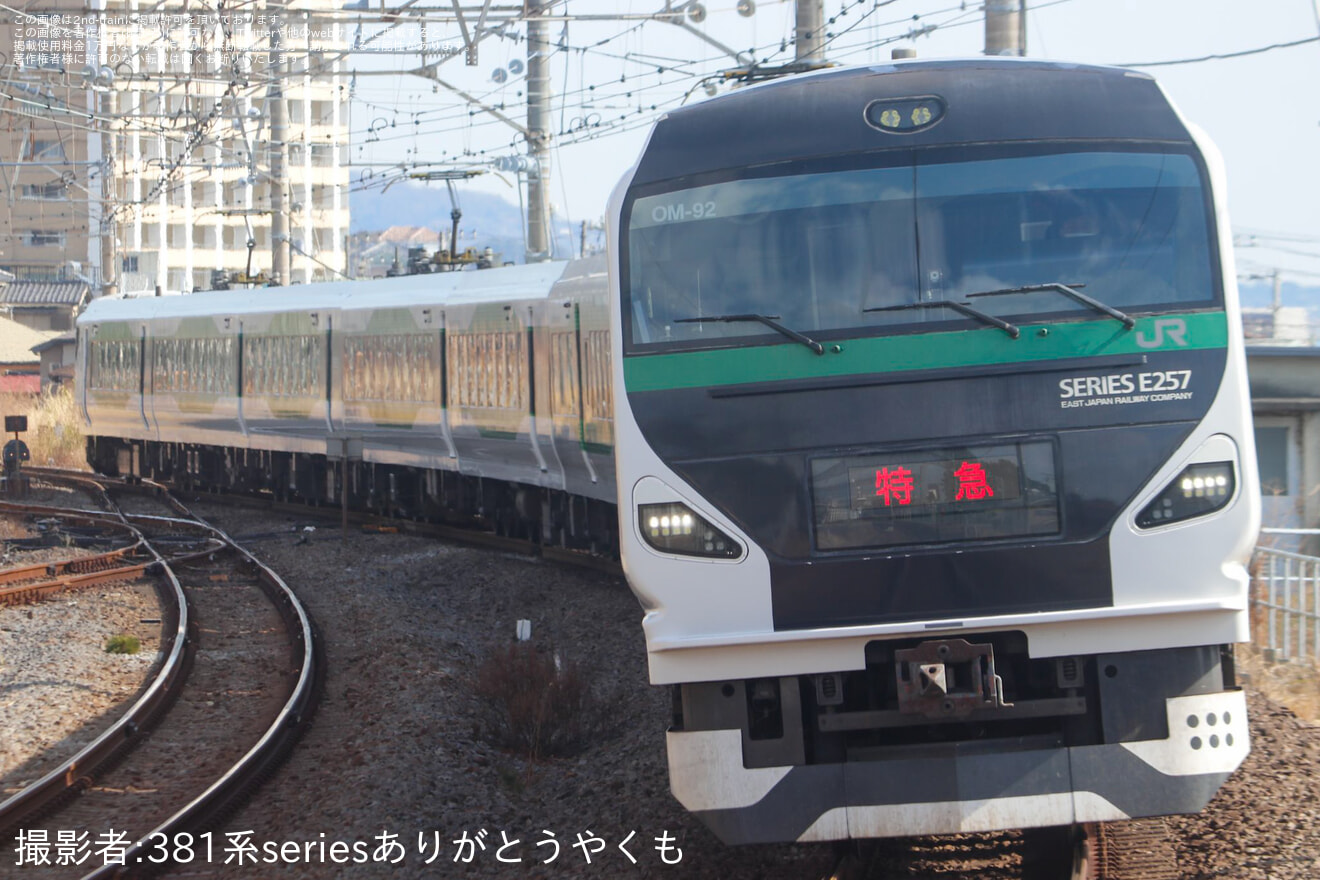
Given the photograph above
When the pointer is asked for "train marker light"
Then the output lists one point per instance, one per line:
(674, 528)
(904, 115)
(1198, 490)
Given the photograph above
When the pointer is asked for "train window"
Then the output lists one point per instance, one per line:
(284, 366)
(194, 366)
(797, 247)
(563, 373)
(113, 365)
(488, 369)
(820, 249)
(1131, 227)
(403, 367)
(596, 385)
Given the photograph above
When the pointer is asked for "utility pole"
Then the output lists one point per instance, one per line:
(540, 15)
(279, 132)
(809, 31)
(1005, 27)
(538, 133)
(107, 227)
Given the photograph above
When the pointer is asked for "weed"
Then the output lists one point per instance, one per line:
(1295, 683)
(54, 437)
(536, 704)
(512, 779)
(123, 645)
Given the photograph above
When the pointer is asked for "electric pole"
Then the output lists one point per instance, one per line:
(540, 15)
(809, 31)
(107, 228)
(538, 133)
(279, 220)
(1005, 27)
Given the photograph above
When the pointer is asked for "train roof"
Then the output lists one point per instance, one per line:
(509, 283)
(985, 100)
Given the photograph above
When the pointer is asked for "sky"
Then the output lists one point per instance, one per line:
(1262, 110)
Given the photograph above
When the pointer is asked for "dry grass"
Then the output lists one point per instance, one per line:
(54, 436)
(1295, 684)
(537, 704)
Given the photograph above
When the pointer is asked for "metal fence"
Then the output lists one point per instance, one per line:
(1285, 599)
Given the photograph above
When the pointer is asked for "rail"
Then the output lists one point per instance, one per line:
(260, 761)
(1285, 599)
(78, 772)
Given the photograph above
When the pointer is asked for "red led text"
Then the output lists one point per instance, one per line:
(971, 483)
(894, 486)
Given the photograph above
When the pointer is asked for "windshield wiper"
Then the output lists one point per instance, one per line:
(767, 320)
(961, 308)
(1070, 291)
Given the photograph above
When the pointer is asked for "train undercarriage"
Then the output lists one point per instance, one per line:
(541, 515)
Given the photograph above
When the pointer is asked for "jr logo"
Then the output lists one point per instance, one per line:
(1174, 328)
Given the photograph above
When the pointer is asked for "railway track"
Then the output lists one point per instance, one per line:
(1134, 850)
(331, 514)
(236, 687)
(1107, 852)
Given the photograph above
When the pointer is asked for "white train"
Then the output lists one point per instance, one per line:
(913, 398)
(464, 395)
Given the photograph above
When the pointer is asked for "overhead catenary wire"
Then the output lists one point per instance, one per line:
(1223, 56)
(597, 107)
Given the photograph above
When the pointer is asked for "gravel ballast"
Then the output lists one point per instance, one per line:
(400, 744)
(58, 686)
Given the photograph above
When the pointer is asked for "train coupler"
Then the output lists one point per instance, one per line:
(947, 678)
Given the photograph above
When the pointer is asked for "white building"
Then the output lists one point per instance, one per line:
(178, 107)
(208, 88)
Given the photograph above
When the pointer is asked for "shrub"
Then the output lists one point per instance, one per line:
(58, 439)
(535, 704)
(123, 645)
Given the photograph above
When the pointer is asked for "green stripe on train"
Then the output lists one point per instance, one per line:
(926, 351)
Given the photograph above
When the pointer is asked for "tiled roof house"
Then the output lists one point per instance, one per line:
(20, 367)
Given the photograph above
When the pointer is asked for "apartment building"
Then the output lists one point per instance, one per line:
(172, 171)
(46, 233)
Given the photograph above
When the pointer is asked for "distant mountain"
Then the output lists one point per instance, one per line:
(493, 221)
(488, 221)
(413, 205)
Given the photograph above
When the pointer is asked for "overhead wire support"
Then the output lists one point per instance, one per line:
(537, 132)
(539, 49)
(468, 42)
(279, 221)
(477, 20)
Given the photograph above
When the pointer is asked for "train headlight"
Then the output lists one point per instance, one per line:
(1198, 490)
(674, 528)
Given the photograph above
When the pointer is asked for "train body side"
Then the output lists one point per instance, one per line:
(499, 375)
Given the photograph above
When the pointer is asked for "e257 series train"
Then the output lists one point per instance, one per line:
(913, 398)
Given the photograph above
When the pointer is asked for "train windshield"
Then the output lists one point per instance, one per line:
(821, 251)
